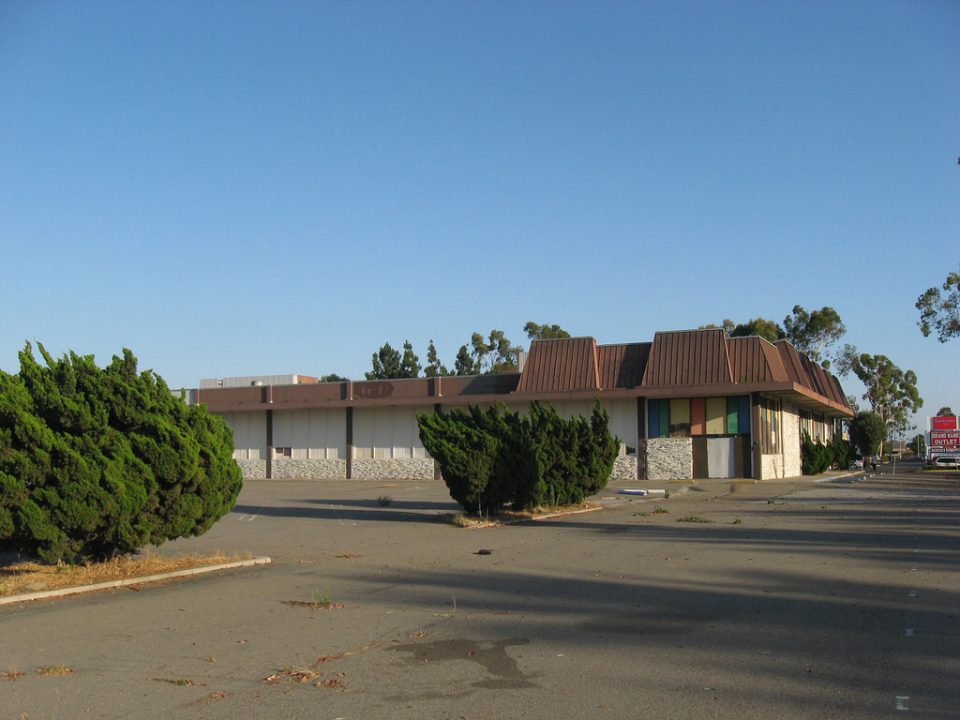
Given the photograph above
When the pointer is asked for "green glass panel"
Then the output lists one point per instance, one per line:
(733, 405)
(664, 418)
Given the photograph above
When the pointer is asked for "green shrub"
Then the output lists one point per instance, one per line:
(493, 457)
(815, 457)
(842, 452)
(95, 462)
(466, 455)
(574, 458)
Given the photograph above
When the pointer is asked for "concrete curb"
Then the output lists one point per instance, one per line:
(550, 516)
(537, 518)
(63, 592)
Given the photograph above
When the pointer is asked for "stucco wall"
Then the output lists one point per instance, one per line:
(388, 433)
(791, 441)
(249, 434)
(311, 434)
(787, 464)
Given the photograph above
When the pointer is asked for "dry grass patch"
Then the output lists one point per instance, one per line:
(26, 577)
(302, 676)
(506, 516)
(463, 520)
(212, 697)
(182, 682)
(293, 675)
(319, 605)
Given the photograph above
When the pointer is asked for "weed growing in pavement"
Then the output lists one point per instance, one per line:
(384, 501)
(54, 671)
(667, 494)
(320, 598)
(694, 519)
(738, 520)
(659, 510)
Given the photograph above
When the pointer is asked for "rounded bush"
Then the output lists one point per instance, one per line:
(493, 457)
(96, 462)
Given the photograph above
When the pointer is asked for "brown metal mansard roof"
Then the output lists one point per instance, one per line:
(687, 363)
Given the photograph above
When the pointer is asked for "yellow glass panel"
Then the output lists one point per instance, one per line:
(716, 416)
(680, 412)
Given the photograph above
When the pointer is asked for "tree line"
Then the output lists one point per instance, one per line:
(485, 355)
(815, 333)
(891, 392)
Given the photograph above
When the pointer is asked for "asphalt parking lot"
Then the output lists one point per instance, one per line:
(829, 600)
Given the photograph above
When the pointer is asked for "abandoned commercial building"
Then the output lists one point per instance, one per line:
(691, 404)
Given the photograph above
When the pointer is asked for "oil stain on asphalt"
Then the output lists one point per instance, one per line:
(491, 656)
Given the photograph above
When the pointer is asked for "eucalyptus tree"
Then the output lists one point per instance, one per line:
(940, 309)
(815, 333)
(891, 392)
(544, 332)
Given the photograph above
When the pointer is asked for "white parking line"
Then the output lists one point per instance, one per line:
(249, 517)
(902, 702)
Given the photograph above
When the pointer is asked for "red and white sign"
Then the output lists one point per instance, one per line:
(942, 441)
(943, 422)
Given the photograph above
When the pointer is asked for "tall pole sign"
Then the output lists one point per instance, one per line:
(943, 436)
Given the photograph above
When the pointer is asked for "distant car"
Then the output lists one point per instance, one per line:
(857, 464)
(947, 462)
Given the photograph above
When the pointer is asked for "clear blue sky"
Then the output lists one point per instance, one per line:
(234, 188)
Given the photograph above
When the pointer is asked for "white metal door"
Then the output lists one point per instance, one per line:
(720, 457)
